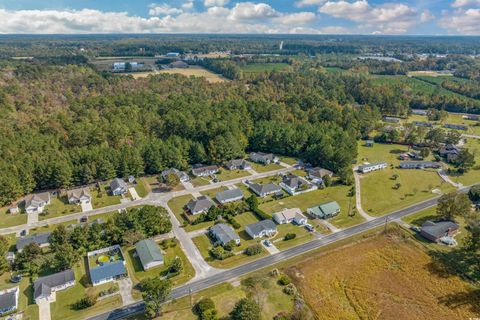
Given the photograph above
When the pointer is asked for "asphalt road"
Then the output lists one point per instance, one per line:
(261, 263)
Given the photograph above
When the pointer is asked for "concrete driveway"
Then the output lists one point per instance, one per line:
(32, 218)
(86, 206)
(134, 194)
(44, 310)
(125, 290)
(272, 249)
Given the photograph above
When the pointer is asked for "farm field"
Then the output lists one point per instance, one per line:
(383, 275)
(196, 71)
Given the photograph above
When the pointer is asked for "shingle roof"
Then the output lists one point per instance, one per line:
(199, 204)
(229, 194)
(319, 172)
(224, 233)
(200, 169)
(289, 214)
(41, 238)
(325, 209)
(258, 227)
(293, 181)
(78, 193)
(108, 270)
(438, 229)
(175, 171)
(363, 166)
(264, 188)
(45, 284)
(8, 300)
(34, 199)
(118, 183)
(148, 251)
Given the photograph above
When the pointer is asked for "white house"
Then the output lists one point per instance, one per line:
(290, 215)
(204, 171)
(369, 167)
(44, 287)
(36, 203)
(264, 228)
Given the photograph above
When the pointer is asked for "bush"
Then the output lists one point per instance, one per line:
(284, 280)
(230, 245)
(290, 236)
(220, 253)
(85, 302)
(290, 289)
(202, 306)
(254, 250)
(474, 193)
(233, 222)
(176, 266)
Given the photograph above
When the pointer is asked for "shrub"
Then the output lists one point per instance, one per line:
(85, 302)
(290, 289)
(254, 250)
(176, 266)
(290, 236)
(284, 280)
(220, 253)
(203, 305)
(233, 222)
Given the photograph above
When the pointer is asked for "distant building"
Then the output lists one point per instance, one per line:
(178, 64)
(264, 228)
(474, 117)
(80, 195)
(419, 165)
(419, 112)
(325, 210)
(293, 215)
(369, 143)
(149, 254)
(433, 231)
(44, 287)
(172, 54)
(365, 168)
(263, 158)
(41, 239)
(14, 209)
(118, 187)
(391, 119)
(317, 174)
(223, 234)
(183, 176)
(455, 126)
(200, 205)
(36, 203)
(425, 124)
(237, 164)
(9, 300)
(200, 170)
(230, 195)
(450, 152)
(263, 190)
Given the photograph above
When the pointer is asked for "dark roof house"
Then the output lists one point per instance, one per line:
(229, 195)
(433, 231)
(261, 157)
(237, 164)
(43, 287)
(8, 300)
(118, 187)
(223, 233)
(41, 239)
(200, 170)
(264, 228)
(263, 190)
(200, 205)
(419, 165)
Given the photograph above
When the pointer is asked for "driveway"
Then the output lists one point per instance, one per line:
(125, 290)
(32, 218)
(44, 310)
(272, 249)
(86, 206)
(134, 194)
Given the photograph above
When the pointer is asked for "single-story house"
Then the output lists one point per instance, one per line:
(200, 205)
(45, 286)
(229, 195)
(41, 239)
(264, 158)
(419, 112)
(223, 234)
(183, 176)
(369, 143)
(237, 164)
(118, 187)
(433, 231)
(200, 170)
(263, 190)
(264, 228)
(149, 254)
(419, 165)
(80, 195)
(423, 124)
(449, 151)
(325, 210)
(391, 119)
(455, 126)
(316, 174)
(105, 271)
(9, 300)
(35, 203)
(294, 215)
(293, 184)
(369, 167)
(474, 117)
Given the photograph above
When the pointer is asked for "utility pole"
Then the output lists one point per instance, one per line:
(386, 222)
(191, 298)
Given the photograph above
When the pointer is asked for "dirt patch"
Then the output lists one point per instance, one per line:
(382, 278)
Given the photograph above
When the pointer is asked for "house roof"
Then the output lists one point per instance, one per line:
(293, 181)
(266, 156)
(108, 270)
(78, 193)
(178, 64)
(44, 285)
(224, 233)
(236, 163)
(289, 214)
(438, 229)
(325, 209)
(363, 166)
(229, 194)
(175, 171)
(148, 251)
(35, 199)
(199, 204)
(201, 168)
(8, 300)
(264, 188)
(419, 164)
(258, 227)
(319, 172)
(118, 183)
(40, 238)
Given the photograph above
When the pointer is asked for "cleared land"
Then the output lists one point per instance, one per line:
(196, 71)
(384, 277)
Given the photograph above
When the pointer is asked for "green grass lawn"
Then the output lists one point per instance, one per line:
(263, 67)
(302, 236)
(213, 192)
(304, 201)
(25, 297)
(10, 220)
(51, 227)
(289, 160)
(225, 174)
(58, 207)
(258, 167)
(199, 181)
(270, 179)
(102, 198)
(473, 175)
(142, 187)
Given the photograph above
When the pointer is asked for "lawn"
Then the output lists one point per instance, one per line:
(289, 160)
(102, 198)
(339, 193)
(25, 298)
(196, 71)
(59, 206)
(473, 175)
(200, 181)
(225, 174)
(51, 227)
(10, 220)
(258, 167)
(270, 179)
(142, 187)
(302, 236)
(213, 192)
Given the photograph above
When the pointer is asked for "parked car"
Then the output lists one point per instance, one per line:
(309, 227)
(415, 228)
(84, 219)
(267, 243)
(23, 233)
(16, 278)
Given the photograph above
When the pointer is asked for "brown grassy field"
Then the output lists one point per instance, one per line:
(384, 277)
(196, 71)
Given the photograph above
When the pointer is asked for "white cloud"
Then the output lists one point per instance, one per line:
(306, 3)
(296, 18)
(462, 21)
(162, 10)
(250, 10)
(388, 18)
(215, 3)
(426, 16)
(465, 3)
(188, 5)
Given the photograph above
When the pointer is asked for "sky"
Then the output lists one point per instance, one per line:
(408, 17)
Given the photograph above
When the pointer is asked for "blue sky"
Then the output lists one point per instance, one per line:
(230, 16)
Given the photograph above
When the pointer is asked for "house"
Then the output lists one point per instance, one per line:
(80, 195)
(200, 170)
(237, 164)
(118, 187)
(263, 190)
(290, 215)
(264, 228)
(455, 126)
(368, 167)
(450, 152)
(293, 184)
(35, 203)
(423, 124)
(149, 254)
(229, 195)
(9, 300)
(183, 176)
(41, 239)
(172, 54)
(200, 205)
(179, 64)
(324, 210)
(106, 264)
(316, 174)
(119, 65)
(419, 112)
(13, 210)
(223, 234)
(474, 117)
(369, 143)
(419, 165)
(44, 287)
(263, 158)
(433, 231)
(391, 119)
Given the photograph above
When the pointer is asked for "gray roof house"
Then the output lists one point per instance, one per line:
(449, 151)
(45, 286)
(223, 233)
(316, 174)
(324, 210)
(9, 300)
(263, 190)
(264, 228)
(200, 170)
(41, 239)
(237, 164)
(200, 205)
(118, 187)
(419, 165)
(261, 157)
(229, 195)
(37, 202)
(80, 195)
(455, 126)
(183, 176)
(433, 231)
(290, 215)
(149, 253)
(294, 184)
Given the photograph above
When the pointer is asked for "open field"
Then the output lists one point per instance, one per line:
(428, 73)
(196, 71)
(472, 176)
(383, 277)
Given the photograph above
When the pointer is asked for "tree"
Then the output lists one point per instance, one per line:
(3, 251)
(453, 204)
(474, 193)
(424, 152)
(254, 249)
(155, 292)
(327, 181)
(464, 161)
(172, 180)
(246, 309)
(58, 237)
(176, 266)
(154, 220)
(65, 257)
(472, 242)
(205, 309)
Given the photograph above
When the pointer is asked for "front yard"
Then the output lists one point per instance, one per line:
(199, 181)
(101, 198)
(59, 206)
(177, 204)
(302, 236)
(225, 174)
(10, 220)
(258, 167)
